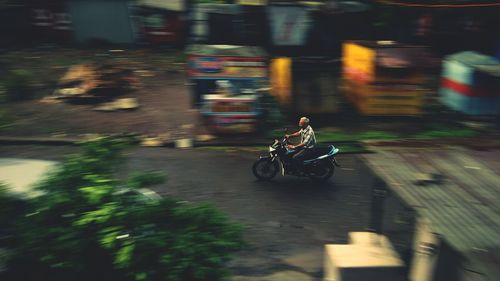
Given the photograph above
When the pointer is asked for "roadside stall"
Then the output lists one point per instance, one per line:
(385, 78)
(228, 82)
(305, 84)
(470, 84)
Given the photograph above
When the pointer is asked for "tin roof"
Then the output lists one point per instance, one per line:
(477, 61)
(456, 190)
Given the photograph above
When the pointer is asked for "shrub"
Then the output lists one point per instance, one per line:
(83, 228)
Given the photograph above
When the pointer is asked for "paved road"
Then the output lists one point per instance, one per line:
(287, 220)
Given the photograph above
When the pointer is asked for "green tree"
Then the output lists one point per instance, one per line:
(85, 227)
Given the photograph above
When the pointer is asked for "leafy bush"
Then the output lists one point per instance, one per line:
(18, 85)
(436, 130)
(141, 179)
(5, 120)
(83, 228)
(9, 211)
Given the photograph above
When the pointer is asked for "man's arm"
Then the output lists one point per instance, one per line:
(298, 145)
(296, 134)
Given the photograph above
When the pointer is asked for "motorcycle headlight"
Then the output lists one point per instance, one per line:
(271, 149)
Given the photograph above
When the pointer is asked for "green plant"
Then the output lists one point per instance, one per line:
(332, 137)
(214, 1)
(18, 85)
(5, 120)
(83, 228)
(142, 179)
(3, 97)
(180, 57)
(437, 130)
(9, 205)
(377, 135)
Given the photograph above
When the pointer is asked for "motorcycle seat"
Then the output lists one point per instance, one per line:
(317, 152)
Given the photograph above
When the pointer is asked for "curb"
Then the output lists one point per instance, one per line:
(6, 140)
(362, 148)
(154, 143)
(474, 143)
(39, 141)
(263, 143)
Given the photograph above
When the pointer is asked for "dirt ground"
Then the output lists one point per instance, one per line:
(164, 109)
(163, 97)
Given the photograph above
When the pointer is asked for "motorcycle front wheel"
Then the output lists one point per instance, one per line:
(322, 172)
(265, 169)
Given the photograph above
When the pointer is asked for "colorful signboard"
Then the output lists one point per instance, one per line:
(232, 114)
(226, 67)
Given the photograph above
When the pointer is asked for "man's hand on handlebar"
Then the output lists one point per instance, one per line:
(291, 146)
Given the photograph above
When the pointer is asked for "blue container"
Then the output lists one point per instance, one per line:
(473, 69)
(470, 105)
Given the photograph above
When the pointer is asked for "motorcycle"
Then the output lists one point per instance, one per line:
(319, 165)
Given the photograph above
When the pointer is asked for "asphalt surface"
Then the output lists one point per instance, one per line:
(287, 220)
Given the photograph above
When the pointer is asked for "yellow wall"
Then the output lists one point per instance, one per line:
(281, 79)
(359, 59)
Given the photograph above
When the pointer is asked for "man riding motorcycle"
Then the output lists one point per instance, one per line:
(304, 159)
(307, 142)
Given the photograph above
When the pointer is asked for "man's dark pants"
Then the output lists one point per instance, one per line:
(299, 157)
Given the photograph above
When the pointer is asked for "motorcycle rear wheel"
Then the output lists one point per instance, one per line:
(322, 172)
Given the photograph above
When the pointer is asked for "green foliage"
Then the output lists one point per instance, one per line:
(3, 91)
(332, 137)
(141, 179)
(18, 85)
(99, 158)
(5, 120)
(83, 228)
(377, 135)
(180, 57)
(434, 131)
(9, 207)
(214, 1)
(437, 130)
